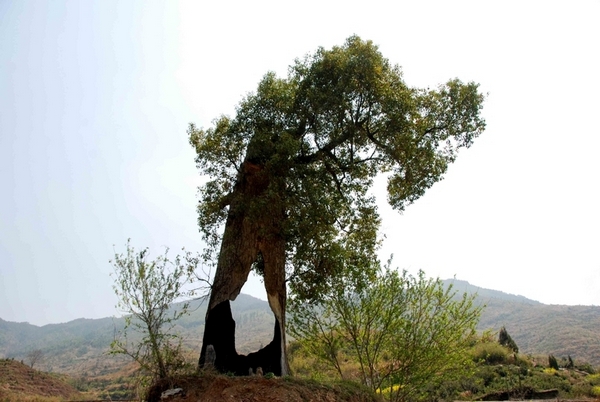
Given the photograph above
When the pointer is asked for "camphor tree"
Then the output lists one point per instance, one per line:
(289, 176)
(404, 332)
(146, 291)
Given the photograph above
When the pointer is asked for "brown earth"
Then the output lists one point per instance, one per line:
(19, 380)
(220, 388)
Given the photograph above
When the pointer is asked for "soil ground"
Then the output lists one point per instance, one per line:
(220, 388)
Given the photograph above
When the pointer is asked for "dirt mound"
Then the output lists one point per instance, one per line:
(220, 388)
(19, 379)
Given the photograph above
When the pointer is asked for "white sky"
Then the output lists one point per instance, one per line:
(95, 98)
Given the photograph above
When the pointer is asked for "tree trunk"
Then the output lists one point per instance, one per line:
(253, 227)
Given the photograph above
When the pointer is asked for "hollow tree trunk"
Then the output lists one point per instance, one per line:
(253, 226)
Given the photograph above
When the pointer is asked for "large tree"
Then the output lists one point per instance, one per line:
(289, 177)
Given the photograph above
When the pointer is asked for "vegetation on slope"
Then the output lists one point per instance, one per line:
(402, 331)
(539, 328)
(19, 382)
(496, 373)
(78, 347)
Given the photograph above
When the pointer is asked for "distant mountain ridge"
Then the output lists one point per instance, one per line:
(539, 328)
(484, 294)
(79, 347)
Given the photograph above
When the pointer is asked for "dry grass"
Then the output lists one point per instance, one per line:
(19, 382)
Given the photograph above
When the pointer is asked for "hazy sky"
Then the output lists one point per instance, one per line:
(95, 99)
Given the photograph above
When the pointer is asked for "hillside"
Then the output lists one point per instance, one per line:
(487, 294)
(539, 328)
(78, 347)
(18, 381)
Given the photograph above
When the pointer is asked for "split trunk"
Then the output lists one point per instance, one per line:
(252, 235)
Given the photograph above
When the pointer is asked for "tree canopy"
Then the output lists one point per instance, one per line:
(313, 143)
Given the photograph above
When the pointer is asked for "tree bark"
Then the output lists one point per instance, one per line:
(253, 227)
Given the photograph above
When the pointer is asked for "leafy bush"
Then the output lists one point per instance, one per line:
(404, 333)
(586, 367)
(593, 379)
(514, 375)
(548, 380)
(145, 291)
(490, 353)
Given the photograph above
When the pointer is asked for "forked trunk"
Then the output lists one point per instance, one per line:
(253, 228)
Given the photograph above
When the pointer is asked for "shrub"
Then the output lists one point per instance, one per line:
(490, 353)
(585, 367)
(146, 290)
(593, 379)
(548, 379)
(398, 329)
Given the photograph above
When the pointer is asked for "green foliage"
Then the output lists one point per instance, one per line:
(552, 362)
(490, 353)
(146, 291)
(589, 387)
(587, 367)
(502, 373)
(315, 141)
(403, 332)
(594, 379)
(573, 330)
(504, 339)
(544, 379)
